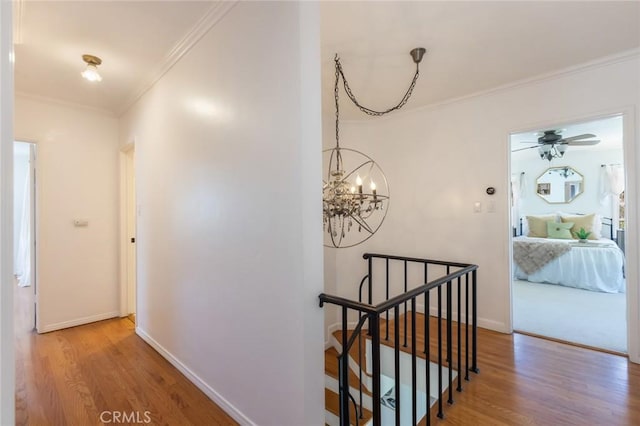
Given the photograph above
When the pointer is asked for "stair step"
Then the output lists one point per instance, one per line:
(332, 405)
(331, 369)
(420, 337)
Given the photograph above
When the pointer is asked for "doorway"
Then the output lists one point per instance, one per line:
(128, 212)
(566, 179)
(24, 231)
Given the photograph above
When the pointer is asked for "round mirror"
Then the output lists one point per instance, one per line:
(559, 185)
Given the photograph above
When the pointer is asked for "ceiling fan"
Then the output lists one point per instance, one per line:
(552, 145)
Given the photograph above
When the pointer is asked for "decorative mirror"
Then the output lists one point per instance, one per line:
(559, 185)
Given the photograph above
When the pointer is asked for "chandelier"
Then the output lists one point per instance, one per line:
(551, 151)
(355, 192)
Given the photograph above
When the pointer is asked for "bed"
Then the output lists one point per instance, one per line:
(596, 265)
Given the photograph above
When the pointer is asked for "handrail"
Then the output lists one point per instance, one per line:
(341, 301)
(415, 259)
(388, 304)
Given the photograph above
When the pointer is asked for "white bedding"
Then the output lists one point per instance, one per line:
(596, 265)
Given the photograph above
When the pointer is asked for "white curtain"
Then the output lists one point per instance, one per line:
(518, 192)
(611, 186)
(22, 262)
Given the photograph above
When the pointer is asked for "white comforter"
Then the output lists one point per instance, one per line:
(596, 265)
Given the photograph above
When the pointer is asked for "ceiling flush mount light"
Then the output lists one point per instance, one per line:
(355, 192)
(91, 72)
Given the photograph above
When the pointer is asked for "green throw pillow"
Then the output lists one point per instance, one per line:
(559, 230)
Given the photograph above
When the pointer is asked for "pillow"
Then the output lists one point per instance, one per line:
(559, 230)
(586, 221)
(598, 227)
(538, 225)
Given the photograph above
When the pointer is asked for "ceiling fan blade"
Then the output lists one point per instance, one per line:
(522, 149)
(529, 142)
(575, 138)
(578, 143)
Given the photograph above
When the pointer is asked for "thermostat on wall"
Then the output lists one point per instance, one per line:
(80, 222)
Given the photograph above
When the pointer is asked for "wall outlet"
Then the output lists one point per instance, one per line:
(80, 222)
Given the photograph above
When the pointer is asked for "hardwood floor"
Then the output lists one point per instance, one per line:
(75, 376)
(527, 380)
(70, 377)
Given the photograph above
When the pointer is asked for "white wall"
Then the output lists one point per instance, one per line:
(77, 178)
(7, 360)
(586, 162)
(229, 244)
(439, 161)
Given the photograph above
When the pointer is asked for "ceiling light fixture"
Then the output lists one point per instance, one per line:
(355, 193)
(549, 152)
(91, 72)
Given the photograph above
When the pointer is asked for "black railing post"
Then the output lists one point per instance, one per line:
(459, 388)
(343, 373)
(370, 274)
(405, 304)
(386, 337)
(474, 354)
(414, 365)
(396, 350)
(449, 340)
(440, 413)
(375, 363)
(466, 328)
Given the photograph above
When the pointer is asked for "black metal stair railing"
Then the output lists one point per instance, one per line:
(400, 300)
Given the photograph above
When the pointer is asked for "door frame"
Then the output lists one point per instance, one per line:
(632, 207)
(125, 225)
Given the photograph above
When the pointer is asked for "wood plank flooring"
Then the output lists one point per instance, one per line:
(73, 376)
(69, 377)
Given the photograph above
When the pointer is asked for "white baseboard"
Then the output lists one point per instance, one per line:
(78, 321)
(225, 405)
(338, 326)
(482, 322)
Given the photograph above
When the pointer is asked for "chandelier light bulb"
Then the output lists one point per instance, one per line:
(358, 180)
(373, 186)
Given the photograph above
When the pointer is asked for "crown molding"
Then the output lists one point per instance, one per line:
(530, 81)
(66, 104)
(212, 16)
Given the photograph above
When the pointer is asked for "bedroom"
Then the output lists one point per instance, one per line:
(566, 288)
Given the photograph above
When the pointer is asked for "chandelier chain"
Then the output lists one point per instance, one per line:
(369, 111)
(335, 92)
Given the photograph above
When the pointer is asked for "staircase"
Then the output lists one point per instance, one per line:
(332, 379)
(390, 362)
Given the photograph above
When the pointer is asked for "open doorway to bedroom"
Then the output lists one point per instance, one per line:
(568, 218)
(24, 227)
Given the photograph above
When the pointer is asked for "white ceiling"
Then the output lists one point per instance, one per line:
(131, 38)
(472, 46)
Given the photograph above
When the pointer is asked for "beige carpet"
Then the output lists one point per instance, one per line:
(570, 314)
